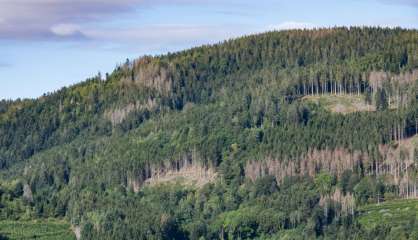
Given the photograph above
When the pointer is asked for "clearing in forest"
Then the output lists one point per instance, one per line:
(39, 229)
(341, 103)
(394, 213)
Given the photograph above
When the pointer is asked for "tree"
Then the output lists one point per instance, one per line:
(323, 183)
(381, 100)
(404, 58)
(368, 95)
(265, 185)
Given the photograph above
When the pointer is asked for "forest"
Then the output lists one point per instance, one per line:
(223, 142)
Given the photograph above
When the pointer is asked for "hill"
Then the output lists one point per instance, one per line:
(223, 141)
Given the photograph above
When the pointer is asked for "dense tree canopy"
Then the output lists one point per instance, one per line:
(274, 164)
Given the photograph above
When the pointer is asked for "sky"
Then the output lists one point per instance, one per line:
(48, 44)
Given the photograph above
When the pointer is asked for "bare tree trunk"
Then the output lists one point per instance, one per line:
(312, 88)
(416, 126)
(398, 99)
(407, 185)
(222, 234)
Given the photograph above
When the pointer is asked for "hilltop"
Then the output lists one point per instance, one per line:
(278, 134)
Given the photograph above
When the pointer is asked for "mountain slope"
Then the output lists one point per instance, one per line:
(232, 122)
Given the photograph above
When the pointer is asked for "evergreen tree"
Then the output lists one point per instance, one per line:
(381, 99)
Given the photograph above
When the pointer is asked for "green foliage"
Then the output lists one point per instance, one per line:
(323, 183)
(390, 220)
(369, 190)
(81, 149)
(45, 230)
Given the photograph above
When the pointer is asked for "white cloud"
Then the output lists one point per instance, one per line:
(292, 25)
(66, 29)
(156, 32)
(46, 19)
(79, 20)
(165, 35)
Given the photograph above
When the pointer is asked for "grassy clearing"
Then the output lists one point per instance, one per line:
(39, 229)
(393, 213)
(341, 103)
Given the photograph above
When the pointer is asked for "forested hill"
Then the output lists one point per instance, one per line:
(232, 140)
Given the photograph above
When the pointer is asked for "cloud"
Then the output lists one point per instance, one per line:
(57, 19)
(65, 29)
(91, 23)
(42, 19)
(45, 19)
(292, 25)
(165, 32)
(156, 39)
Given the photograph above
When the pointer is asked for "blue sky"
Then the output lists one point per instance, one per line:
(47, 44)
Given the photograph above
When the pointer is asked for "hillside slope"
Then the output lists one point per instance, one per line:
(225, 141)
